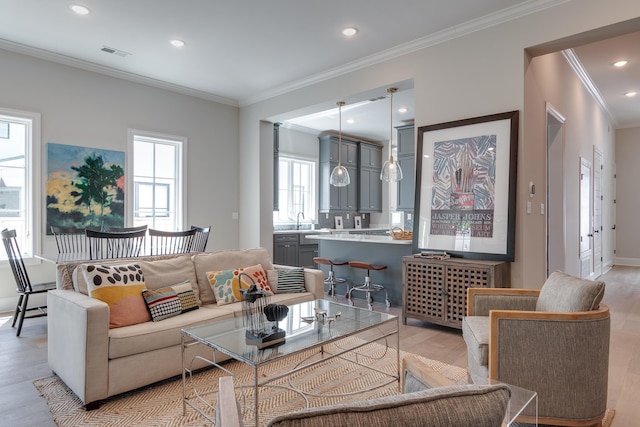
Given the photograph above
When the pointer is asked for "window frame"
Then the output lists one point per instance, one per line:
(312, 213)
(31, 244)
(180, 173)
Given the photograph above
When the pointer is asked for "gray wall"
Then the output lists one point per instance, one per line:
(627, 196)
(87, 109)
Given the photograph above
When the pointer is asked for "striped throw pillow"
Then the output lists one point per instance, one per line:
(287, 281)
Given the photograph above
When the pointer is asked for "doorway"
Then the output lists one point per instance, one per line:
(555, 191)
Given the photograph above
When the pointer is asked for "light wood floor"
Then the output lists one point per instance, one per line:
(24, 359)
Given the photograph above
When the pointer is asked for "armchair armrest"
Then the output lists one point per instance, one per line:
(78, 342)
(227, 410)
(567, 354)
(480, 301)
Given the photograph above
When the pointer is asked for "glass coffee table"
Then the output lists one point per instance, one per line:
(321, 328)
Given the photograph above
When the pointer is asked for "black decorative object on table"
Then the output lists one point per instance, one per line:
(256, 311)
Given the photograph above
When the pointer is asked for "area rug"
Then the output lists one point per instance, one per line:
(161, 404)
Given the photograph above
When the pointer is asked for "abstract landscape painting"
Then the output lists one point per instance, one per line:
(85, 187)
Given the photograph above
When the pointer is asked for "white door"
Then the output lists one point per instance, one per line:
(586, 241)
(597, 212)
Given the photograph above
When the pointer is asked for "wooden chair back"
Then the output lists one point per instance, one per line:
(125, 229)
(105, 244)
(200, 239)
(171, 242)
(70, 240)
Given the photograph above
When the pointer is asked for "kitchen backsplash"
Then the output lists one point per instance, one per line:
(328, 220)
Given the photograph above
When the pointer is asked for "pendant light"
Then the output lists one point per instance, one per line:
(340, 174)
(391, 170)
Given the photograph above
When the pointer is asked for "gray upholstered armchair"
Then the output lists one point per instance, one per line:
(554, 341)
(441, 406)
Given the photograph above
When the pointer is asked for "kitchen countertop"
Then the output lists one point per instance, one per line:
(328, 230)
(360, 238)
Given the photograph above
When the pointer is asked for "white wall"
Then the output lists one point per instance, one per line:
(627, 196)
(87, 109)
(477, 74)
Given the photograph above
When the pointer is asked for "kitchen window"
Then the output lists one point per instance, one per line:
(158, 181)
(19, 178)
(297, 190)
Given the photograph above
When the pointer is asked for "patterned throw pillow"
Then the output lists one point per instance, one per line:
(120, 286)
(226, 286)
(170, 301)
(162, 303)
(187, 296)
(287, 281)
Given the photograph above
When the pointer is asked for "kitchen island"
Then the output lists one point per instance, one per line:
(374, 249)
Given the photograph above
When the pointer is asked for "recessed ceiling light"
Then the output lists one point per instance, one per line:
(349, 31)
(79, 9)
(351, 121)
(176, 43)
(631, 94)
(403, 110)
(620, 63)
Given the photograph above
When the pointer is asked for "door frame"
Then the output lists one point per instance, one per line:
(555, 166)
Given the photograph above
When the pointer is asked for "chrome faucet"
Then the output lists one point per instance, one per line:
(298, 220)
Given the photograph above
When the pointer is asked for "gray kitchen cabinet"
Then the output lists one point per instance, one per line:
(407, 160)
(338, 199)
(285, 249)
(370, 186)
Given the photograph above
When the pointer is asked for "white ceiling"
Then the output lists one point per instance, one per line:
(240, 52)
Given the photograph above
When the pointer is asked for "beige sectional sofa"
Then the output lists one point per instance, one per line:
(97, 362)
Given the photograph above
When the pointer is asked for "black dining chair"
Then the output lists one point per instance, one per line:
(24, 287)
(106, 244)
(124, 229)
(171, 242)
(70, 240)
(200, 239)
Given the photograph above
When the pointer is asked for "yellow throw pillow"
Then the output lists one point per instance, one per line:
(120, 286)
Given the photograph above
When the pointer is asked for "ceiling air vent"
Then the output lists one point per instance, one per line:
(114, 51)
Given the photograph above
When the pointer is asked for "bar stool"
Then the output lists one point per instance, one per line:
(368, 287)
(331, 280)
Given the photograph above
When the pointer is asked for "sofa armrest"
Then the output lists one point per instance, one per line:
(480, 301)
(78, 342)
(313, 280)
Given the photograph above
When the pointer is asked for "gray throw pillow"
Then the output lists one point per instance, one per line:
(565, 293)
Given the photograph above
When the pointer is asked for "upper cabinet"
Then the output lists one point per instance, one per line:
(364, 193)
(370, 196)
(406, 158)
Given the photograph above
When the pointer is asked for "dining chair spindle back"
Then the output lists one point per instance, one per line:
(24, 287)
(171, 242)
(105, 244)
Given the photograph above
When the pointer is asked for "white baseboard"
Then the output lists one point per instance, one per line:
(631, 262)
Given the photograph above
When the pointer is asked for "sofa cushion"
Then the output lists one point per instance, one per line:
(120, 286)
(464, 405)
(149, 336)
(224, 260)
(564, 293)
(287, 281)
(167, 272)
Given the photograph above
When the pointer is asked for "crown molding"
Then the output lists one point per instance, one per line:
(577, 67)
(478, 24)
(112, 72)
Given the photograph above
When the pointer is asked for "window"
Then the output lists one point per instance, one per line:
(19, 164)
(297, 191)
(158, 193)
